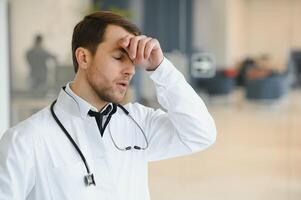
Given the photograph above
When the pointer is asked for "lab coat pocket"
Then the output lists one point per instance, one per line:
(68, 180)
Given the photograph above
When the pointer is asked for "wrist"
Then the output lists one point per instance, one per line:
(156, 66)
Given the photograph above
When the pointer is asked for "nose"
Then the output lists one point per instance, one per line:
(129, 69)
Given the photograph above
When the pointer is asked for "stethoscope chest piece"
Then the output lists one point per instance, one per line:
(89, 180)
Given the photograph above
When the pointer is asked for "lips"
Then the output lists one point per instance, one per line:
(123, 84)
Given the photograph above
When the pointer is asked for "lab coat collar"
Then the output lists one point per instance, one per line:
(75, 105)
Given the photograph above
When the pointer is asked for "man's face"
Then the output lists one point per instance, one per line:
(110, 69)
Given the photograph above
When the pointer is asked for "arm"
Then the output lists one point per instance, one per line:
(16, 166)
(187, 126)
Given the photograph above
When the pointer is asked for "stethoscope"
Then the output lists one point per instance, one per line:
(89, 178)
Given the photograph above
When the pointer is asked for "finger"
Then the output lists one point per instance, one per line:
(149, 47)
(125, 41)
(141, 48)
(133, 45)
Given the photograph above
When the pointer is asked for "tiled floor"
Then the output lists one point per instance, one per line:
(257, 156)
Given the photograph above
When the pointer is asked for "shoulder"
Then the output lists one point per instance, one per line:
(27, 130)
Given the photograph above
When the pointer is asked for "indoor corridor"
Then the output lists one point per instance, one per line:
(256, 156)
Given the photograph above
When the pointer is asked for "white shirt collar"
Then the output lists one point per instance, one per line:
(74, 104)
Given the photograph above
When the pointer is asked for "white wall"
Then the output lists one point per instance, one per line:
(273, 27)
(4, 69)
(236, 30)
(54, 19)
(232, 29)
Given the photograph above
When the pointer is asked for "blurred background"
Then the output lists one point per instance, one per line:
(243, 57)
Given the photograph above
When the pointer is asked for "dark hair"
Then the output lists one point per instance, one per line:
(38, 39)
(89, 32)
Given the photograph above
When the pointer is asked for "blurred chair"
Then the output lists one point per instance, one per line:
(271, 87)
(221, 84)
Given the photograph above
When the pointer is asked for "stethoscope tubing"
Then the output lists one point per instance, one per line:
(89, 178)
(69, 136)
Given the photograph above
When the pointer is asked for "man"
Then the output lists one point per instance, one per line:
(37, 58)
(86, 145)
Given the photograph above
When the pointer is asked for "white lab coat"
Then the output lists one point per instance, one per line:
(38, 162)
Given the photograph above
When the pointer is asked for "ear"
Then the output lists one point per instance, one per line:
(83, 57)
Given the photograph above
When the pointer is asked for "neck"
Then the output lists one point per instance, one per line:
(82, 89)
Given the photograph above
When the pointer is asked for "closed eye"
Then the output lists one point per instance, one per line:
(120, 55)
(117, 57)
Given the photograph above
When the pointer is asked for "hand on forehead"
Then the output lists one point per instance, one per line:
(125, 41)
(134, 45)
(142, 50)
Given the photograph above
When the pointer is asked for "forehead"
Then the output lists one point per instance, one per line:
(114, 34)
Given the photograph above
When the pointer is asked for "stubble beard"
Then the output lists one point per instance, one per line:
(107, 94)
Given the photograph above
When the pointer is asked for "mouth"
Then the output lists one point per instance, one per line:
(123, 85)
